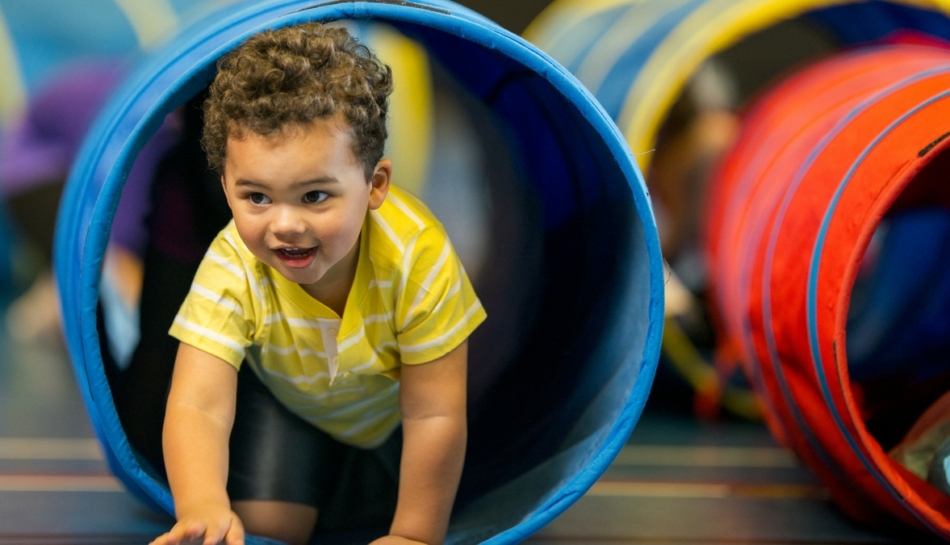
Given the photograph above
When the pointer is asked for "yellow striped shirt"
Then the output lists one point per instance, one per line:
(411, 303)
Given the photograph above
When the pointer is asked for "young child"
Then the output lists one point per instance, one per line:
(321, 373)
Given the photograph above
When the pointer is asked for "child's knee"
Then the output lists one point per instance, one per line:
(291, 523)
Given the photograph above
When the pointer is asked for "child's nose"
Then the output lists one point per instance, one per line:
(287, 221)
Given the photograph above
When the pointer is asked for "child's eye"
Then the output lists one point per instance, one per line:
(315, 196)
(258, 198)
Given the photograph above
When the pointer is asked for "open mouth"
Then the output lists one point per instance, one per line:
(296, 257)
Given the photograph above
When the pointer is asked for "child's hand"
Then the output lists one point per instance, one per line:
(205, 526)
(396, 540)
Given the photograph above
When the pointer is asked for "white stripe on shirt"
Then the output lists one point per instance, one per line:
(381, 284)
(334, 392)
(303, 323)
(248, 271)
(292, 349)
(359, 405)
(439, 340)
(390, 234)
(435, 270)
(216, 298)
(400, 204)
(205, 332)
(350, 341)
(404, 269)
(299, 379)
(373, 318)
(366, 365)
(456, 287)
(367, 420)
(224, 263)
(384, 345)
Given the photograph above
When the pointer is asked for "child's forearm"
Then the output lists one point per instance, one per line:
(196, 454)
(196, 458)
(198, 420)
(432, 460)
(432, 399)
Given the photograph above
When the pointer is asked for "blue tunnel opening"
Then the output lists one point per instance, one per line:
(572, 279)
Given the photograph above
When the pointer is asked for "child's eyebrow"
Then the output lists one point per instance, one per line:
(323, 180)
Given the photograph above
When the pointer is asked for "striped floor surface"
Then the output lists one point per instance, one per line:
(678, 481)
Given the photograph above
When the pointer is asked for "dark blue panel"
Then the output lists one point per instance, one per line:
(899, 319)
(868, 21)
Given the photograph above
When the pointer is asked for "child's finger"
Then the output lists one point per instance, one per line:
(195, 529)
(175, 536)
(161, 540)
(235, 535)
(183, 531)
(214, 534)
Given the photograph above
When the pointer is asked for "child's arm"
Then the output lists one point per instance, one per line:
(432, 401)
(198, 423)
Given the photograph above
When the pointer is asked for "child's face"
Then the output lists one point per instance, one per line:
(299, 200)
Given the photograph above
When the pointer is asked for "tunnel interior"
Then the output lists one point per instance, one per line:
(562, 254)
(898, 324)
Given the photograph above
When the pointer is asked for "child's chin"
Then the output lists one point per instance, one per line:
(299, 276)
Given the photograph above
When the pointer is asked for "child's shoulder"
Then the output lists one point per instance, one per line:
(403, 217)
(228, 250)
(403, 224)
(401, 201)
(228, 243)
(229, 267)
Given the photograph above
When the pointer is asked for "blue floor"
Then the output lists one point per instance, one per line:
(678, 481)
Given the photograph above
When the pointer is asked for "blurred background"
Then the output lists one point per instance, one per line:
(702, 465)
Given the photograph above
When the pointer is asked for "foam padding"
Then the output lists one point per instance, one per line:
(569, 390)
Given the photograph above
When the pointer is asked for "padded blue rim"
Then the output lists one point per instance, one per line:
(138, 108)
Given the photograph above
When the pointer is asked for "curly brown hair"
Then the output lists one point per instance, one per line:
(289, 77)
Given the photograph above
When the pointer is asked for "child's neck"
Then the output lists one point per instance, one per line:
(334, 288)
(335, 301)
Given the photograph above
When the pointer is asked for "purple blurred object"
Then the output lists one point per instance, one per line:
(39, 148)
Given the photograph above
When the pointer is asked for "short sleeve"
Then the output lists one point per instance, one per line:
(436, 306)
(218, 313)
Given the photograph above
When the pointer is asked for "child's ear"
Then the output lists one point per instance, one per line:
(224, 187)
(379, 183)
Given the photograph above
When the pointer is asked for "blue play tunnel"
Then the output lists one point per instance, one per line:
(570, 272)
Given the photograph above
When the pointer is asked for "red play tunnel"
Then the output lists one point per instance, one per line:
(824, 233)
